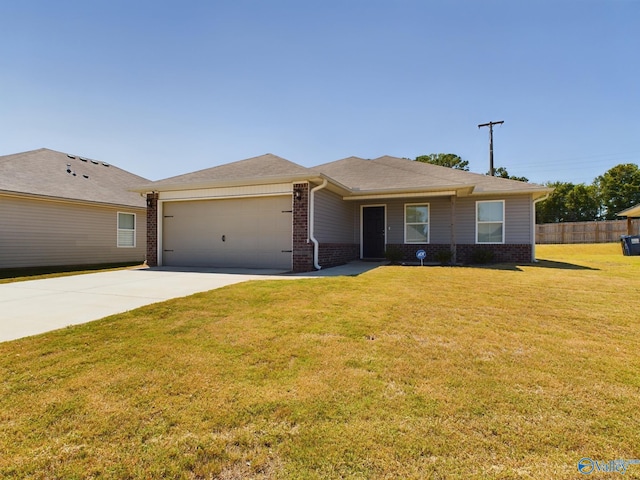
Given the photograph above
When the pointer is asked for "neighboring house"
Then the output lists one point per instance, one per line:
(630, 213)
(267, 212)
(63, 209)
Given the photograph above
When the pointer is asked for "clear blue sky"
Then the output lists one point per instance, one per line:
(162, 88)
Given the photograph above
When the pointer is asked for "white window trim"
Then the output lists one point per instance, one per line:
(503, 222)
(428, 223)
(118, 229)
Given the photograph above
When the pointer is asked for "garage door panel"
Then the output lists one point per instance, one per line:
(257, 234)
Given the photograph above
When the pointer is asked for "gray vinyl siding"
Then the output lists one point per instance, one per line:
(37, 233)
(334, 219)
(439, 218)
(517, 219)
(466, 220)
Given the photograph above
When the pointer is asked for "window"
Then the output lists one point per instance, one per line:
(126, 229)
(416, 223)
(490, 221)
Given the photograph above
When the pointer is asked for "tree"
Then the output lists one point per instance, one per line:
(554, 208)
(502, 173)
(569, 203)
(618, 189)
(450, 160)
(582, 203)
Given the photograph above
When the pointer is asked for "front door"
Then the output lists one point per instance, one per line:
(373, 232)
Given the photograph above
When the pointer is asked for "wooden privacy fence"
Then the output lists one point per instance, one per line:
(585, 232)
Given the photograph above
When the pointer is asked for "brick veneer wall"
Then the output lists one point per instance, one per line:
(302, 247)
(509, 253)
(333, 254)
(409, 250)
(329, 254)
(152, 229)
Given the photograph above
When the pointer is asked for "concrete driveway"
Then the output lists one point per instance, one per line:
(38, 306)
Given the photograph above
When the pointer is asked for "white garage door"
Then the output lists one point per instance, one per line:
(239, 232)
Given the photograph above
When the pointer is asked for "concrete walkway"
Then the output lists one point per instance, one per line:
(37, 306)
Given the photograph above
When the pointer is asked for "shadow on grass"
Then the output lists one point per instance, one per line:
(561, 265)
(539, 264)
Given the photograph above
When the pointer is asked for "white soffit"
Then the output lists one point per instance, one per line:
(446, 193)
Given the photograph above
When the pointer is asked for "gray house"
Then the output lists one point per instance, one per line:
(267, 212)
(63, 209)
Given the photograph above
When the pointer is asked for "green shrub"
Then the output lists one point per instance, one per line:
(482, 256)
(393, 254)
(444, 257)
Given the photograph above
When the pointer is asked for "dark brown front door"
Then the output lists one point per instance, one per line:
(373, 234)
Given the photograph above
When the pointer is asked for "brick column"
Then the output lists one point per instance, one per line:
(152, 229)
(302, 247)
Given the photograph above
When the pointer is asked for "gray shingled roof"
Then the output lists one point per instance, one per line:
(45, 173)
(391, 173)
(261, 169)
(351, 176)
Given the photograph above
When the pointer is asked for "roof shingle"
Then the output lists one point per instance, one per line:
(385, 173)
(261, 168)
(48, 173)
(352, 175)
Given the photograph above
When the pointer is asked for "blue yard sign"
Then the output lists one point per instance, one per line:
(421, 254)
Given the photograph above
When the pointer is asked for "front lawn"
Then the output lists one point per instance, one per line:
(402, 372)
(11, 275)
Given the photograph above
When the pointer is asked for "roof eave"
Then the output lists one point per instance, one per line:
(169, 187)
(76, 201)
(630, 212)
(443, 191)
(536, 193)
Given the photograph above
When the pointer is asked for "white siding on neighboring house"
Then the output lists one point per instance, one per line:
(36, 233)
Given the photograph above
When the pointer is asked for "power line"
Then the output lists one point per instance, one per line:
(631, 157)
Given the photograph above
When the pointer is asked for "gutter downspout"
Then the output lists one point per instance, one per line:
(312, 221)
(533, 225)
(453, 246)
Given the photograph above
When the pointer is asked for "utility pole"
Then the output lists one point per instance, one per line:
(490, 125)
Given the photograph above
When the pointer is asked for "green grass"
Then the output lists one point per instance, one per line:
(11, 275)
(403, 372)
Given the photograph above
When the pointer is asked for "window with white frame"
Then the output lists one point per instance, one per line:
(490, 221)
(126, 229)
(416, 223)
